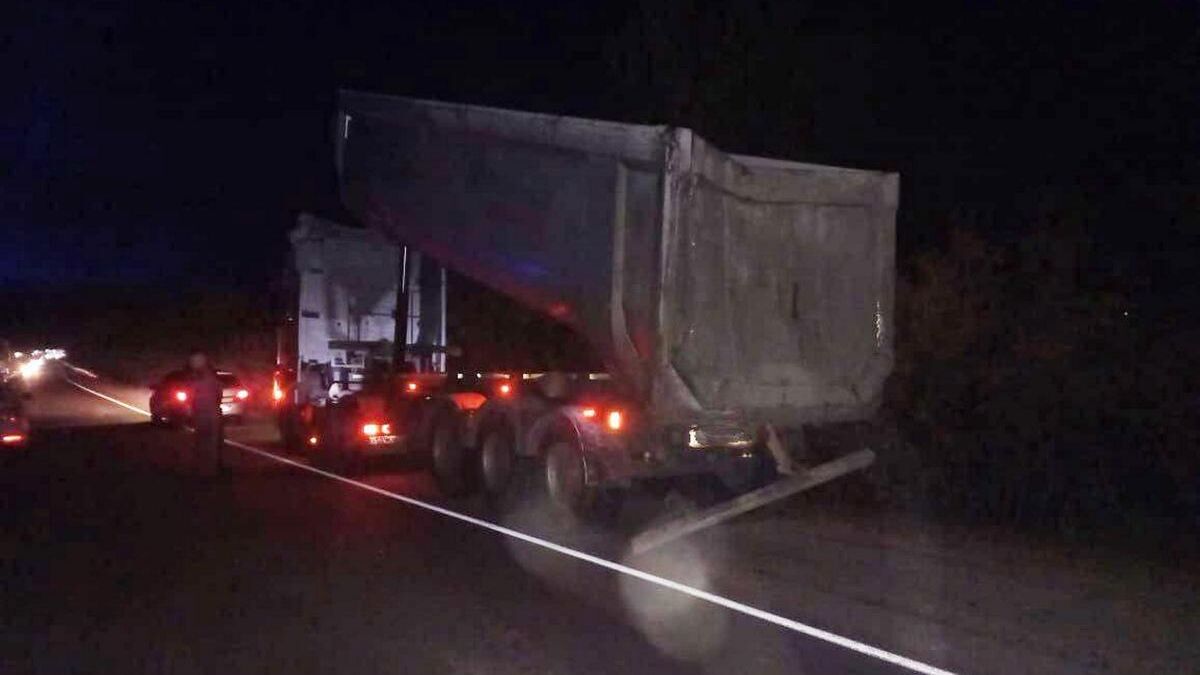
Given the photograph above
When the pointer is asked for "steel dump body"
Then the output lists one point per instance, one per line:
(709, 282)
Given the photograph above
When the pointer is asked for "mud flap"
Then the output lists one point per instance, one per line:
(780, 489)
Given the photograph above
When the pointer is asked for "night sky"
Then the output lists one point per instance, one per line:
(173, 143)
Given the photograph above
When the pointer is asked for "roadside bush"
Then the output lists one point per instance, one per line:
(1027, 398)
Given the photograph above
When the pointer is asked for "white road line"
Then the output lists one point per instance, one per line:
(110, 399)
(742, 608)
(82, 371)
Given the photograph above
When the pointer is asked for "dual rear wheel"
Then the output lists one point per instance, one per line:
(558, 478)
(450, 458)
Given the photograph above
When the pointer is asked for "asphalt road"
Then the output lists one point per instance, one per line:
(115, 560)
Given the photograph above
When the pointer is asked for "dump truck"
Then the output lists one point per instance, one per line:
(339, 295)
(733, 300)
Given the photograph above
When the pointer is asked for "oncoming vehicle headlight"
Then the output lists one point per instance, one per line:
(31, 368)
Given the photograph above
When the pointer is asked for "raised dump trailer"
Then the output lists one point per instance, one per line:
(729, 296)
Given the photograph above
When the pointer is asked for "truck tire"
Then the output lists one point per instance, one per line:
(570, 497)
(455, 475)
(335, 452)
(327, 454)
(289, 430)
(757, 473)
(497, 465)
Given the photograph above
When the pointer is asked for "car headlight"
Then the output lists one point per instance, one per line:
(31, 369)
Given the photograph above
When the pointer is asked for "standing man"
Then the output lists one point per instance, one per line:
(206, 417)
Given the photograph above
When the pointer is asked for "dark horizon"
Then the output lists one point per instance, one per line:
(155, 146)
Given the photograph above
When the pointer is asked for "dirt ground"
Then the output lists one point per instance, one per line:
(968, 599)
(965, 599)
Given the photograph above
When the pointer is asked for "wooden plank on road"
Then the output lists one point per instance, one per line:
(780, 489)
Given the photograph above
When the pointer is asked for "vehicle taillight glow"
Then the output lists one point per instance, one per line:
(505, 389)
(614, 420)
(12, 438)
(276, 392)
(385, 429)
(411, 386)
(181, 396)
(370, 429)
(243, 394)
(312, 440)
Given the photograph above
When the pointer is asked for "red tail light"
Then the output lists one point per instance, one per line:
(505, 389)
(614, 420)
(12, 438)
(411, 386)
(181, 396)
(243, 394)
(372, 429)
(312, 440)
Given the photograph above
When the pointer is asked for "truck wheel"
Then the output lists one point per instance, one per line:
(448, 455)
(567, 489)
(756, 473)
(335, 452)
(497, 464)
(289, 431)
(327, 454)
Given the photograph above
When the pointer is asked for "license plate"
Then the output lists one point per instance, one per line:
(381, 440)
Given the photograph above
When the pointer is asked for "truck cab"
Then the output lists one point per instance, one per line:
(339, 322)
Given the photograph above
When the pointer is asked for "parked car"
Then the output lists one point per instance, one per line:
(171, 398)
